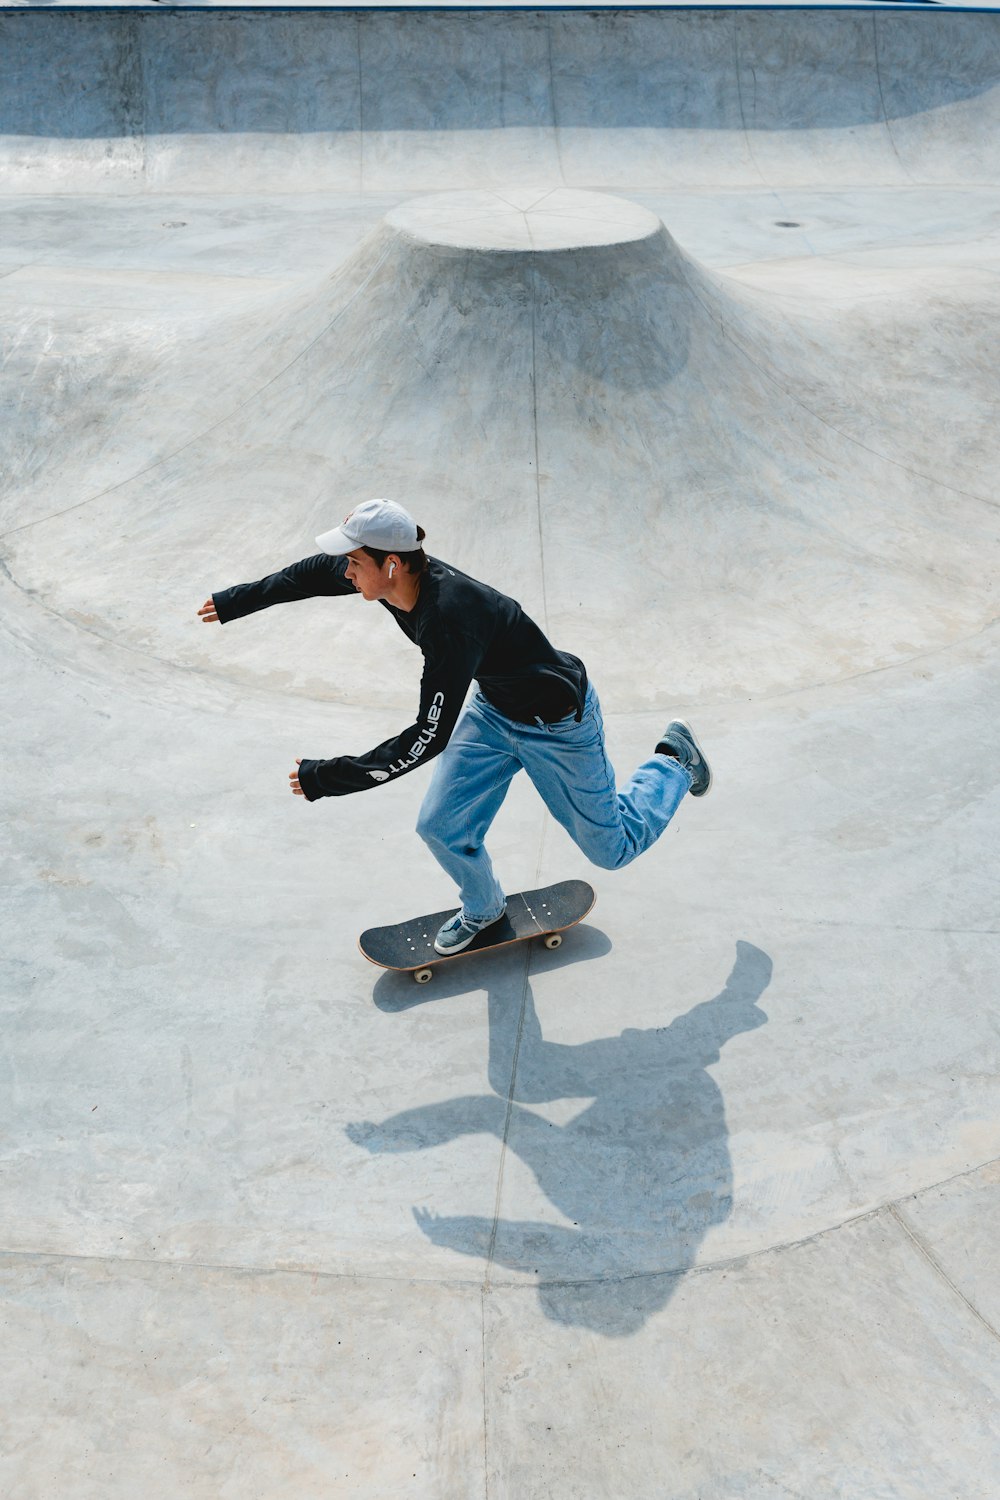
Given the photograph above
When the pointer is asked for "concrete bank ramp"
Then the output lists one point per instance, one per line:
(381, 101)
(681, 328)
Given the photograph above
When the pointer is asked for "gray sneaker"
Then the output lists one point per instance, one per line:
(678, 740)
(458, 932)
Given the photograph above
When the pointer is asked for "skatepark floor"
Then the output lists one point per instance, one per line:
(705, 1204)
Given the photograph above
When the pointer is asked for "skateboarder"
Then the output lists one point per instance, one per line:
(534, 710)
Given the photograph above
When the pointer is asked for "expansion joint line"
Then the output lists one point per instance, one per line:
(486, 1414)
(487, 1274)
(361, 105)
(485, 1285)
(739, 94)
(533, 282)
(881, 99)
(939, 1269)
(553, 111)
(533, 276)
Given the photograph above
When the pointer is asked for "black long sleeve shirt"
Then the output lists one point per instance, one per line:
(465, 630)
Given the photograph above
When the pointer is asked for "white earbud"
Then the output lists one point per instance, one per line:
(392, 569)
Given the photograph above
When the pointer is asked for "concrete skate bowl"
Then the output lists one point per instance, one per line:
(681, 328)
(772, 461)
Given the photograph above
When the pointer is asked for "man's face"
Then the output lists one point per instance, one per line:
(368, 578)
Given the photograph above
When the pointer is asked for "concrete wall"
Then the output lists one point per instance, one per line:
(344, 101)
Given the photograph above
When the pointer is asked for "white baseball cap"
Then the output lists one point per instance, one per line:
(374, 523)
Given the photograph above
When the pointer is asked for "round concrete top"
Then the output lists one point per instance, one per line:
(562, 219)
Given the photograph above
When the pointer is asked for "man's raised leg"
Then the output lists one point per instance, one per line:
(568, 764)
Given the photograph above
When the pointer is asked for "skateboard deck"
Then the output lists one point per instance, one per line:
(545, 913)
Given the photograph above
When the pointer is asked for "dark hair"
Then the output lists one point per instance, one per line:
(413, 562)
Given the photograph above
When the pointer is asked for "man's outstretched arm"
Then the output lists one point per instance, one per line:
(445, 683)
(307, 579)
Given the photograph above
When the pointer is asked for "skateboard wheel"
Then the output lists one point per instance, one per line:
(423, 976)
(554, 940)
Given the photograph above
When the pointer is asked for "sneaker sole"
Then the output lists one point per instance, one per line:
(458, 947)
(704, 760)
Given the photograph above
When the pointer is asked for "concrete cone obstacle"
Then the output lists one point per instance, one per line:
(646, 454)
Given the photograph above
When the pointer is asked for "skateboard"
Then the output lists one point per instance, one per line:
(409, 946)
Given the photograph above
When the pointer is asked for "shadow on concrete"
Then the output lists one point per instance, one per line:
(117, 75)
(494, 971)
(639, 1174)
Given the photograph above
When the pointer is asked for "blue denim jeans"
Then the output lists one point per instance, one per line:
(569, 766)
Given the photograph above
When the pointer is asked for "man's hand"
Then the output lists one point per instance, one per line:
(294, 779)
(208, 611)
